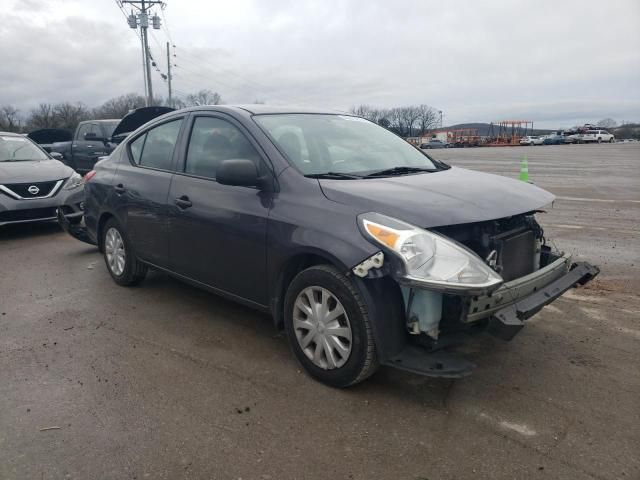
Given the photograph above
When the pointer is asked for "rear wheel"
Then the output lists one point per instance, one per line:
(328, 327)
(611, 140)
(599, 139)
(123, 266)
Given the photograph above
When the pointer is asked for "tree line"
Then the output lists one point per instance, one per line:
(410, 121)
(67, 115)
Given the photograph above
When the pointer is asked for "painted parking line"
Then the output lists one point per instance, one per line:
(602, 200)
(591, 227)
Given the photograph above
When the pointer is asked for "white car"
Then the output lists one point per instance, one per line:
(531, 140)
(599, 136)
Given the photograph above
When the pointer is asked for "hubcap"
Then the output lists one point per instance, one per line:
(114, 251)
(322, 328)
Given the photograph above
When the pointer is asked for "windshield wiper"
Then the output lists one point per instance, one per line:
(398, 171)
(334, 176)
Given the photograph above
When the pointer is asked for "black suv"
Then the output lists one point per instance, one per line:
(364, 248)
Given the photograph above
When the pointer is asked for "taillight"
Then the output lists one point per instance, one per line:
(89, 175)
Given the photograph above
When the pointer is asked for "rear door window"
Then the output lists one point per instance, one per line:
(155, 148)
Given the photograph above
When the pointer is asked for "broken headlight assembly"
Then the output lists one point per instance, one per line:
(430, 260)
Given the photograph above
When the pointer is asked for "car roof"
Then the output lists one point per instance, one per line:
(261, 109)
(11, 134)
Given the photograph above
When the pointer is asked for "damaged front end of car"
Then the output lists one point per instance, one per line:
(457, 281)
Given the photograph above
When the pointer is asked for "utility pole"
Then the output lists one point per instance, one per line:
(144, 72)
(169, 74)
(142, 20)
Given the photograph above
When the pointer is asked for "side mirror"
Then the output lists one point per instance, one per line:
(56, 156)
(238, 172)
(91, 136)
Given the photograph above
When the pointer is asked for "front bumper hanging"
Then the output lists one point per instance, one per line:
(507, 322)
(76, 230)
(504, 322)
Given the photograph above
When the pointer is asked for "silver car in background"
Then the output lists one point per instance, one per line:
(33, 184)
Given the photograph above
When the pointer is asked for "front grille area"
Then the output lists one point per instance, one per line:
(514, 240)
(22, 189)
(28, 214)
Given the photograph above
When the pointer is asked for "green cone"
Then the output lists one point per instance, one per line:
(524, 169)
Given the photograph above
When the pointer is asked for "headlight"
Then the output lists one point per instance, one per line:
(74, 181)
(429, 258)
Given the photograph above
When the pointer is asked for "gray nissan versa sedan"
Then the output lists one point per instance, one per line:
(366, 250)
(33, 184)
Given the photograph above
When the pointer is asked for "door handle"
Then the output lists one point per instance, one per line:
(119, 189)
(183, 202)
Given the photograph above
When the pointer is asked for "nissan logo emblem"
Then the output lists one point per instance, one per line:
(33, 190)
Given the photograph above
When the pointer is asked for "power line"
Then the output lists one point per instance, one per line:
(247, 82)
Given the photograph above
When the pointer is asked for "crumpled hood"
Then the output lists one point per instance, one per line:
(448, 197)
(33, 171)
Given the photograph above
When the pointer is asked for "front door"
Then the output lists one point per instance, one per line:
(142, 185)
(218, 232)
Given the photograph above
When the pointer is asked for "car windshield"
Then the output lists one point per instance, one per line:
(19, 149)
(318, 144)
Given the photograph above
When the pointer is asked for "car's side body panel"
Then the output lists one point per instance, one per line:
(247, 243)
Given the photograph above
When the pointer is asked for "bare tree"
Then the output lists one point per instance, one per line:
(405, 121)
(204, 97)
(179, 103)
(428, 118)
(607, 123)
(372, 114)
(410, 115)
(42, 117)
(396, 119)
(10, 120)
(68, 114)
(118, 107)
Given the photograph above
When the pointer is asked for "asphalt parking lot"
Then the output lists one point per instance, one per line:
(166, 381)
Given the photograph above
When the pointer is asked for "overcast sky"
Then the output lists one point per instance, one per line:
(558, 63)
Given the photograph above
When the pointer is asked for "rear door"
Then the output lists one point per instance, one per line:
(142, 185)
(218, 232)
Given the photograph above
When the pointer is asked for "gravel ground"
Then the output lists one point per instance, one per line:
(164, 381)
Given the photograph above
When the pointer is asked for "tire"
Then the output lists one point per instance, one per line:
(600, 140)
(611, 140)
(351, 329)
(122, 264)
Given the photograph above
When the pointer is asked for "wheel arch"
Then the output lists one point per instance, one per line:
(381, 295)
(293, 265)
(104, 218)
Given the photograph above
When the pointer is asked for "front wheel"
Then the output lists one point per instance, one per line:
(123, 266)
(328, 327)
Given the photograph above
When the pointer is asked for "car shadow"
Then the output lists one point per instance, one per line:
(28, 230)
(233, 320)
